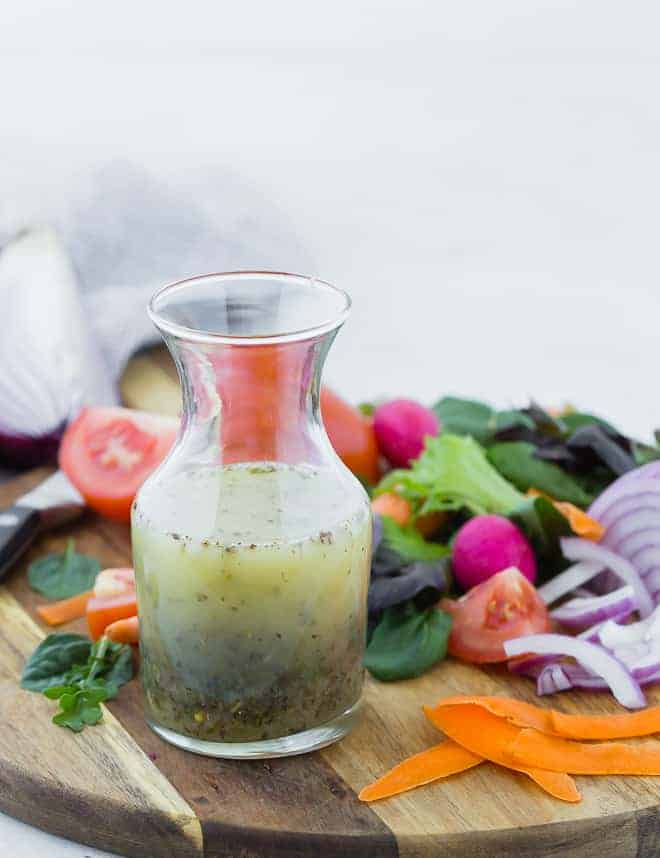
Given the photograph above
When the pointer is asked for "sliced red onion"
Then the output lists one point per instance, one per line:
(612, 635)
(568, 580)
(652, 580)
(551, 681)
(590, 656)
(592, 634)
(646, 558)
(578, 549)
(647, 665)
(633, 484)
(583, 593)
(632, 654)
(581, 613)
(532, 665)
(552, 678)
(622, 530)
(632, 545)
(644, 495)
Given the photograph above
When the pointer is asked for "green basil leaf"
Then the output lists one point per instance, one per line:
(406, 642)
(59, 576)
(517, 461)
(50, 663)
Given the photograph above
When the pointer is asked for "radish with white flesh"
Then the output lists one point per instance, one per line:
(590, 656)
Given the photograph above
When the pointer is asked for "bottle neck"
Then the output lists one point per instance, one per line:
(246, 403)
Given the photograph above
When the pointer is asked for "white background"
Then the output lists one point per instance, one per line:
(483, 177)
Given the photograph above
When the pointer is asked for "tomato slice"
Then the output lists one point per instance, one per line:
(503, 607)
(107, 453)
(352, 435)
(114, 599)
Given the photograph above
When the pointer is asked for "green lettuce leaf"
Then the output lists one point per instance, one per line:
(453, 473)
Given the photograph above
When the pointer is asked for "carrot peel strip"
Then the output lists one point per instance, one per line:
(580, 522)
(437, 762)
(557, 784)
(491, 737)
(56, 613)
(627, 725)
(580, 758)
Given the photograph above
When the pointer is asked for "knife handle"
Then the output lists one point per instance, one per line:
(18, 527)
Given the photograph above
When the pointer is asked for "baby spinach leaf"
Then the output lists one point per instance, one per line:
(544, 526)
(52, 660)
(576, 419)
(645, 453)
(58, 576)
(406, 642)
(465, 417)
(502, 421)
(517, 461)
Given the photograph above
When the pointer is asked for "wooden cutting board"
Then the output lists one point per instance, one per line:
(118, 786)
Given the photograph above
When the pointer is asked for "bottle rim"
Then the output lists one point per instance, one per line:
(158, 305)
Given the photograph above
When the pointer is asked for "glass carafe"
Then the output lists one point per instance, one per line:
(252, 540)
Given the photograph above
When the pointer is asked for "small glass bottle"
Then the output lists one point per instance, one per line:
(252, 540)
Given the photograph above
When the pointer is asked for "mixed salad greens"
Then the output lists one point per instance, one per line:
(483, 520)
(508, 500)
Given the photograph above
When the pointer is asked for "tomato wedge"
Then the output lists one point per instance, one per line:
(114, 599)
(107, 453)
(503, 607)
(352, 435)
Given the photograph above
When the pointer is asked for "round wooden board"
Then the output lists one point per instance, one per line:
(119, 787)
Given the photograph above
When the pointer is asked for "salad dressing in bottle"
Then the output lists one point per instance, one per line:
(252, 540)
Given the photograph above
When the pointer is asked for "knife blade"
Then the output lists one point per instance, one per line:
(52, 503)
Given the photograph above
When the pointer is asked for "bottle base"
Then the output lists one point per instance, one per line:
(286, 746)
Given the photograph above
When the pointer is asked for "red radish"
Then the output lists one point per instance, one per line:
(401, 427)
(486, 545)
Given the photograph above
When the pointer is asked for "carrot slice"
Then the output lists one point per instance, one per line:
(489, 736)
(56, 613)
(581, 758)
(437, 762)
(393, 506)
(124, 631)
(617, 726)
(580, 523)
